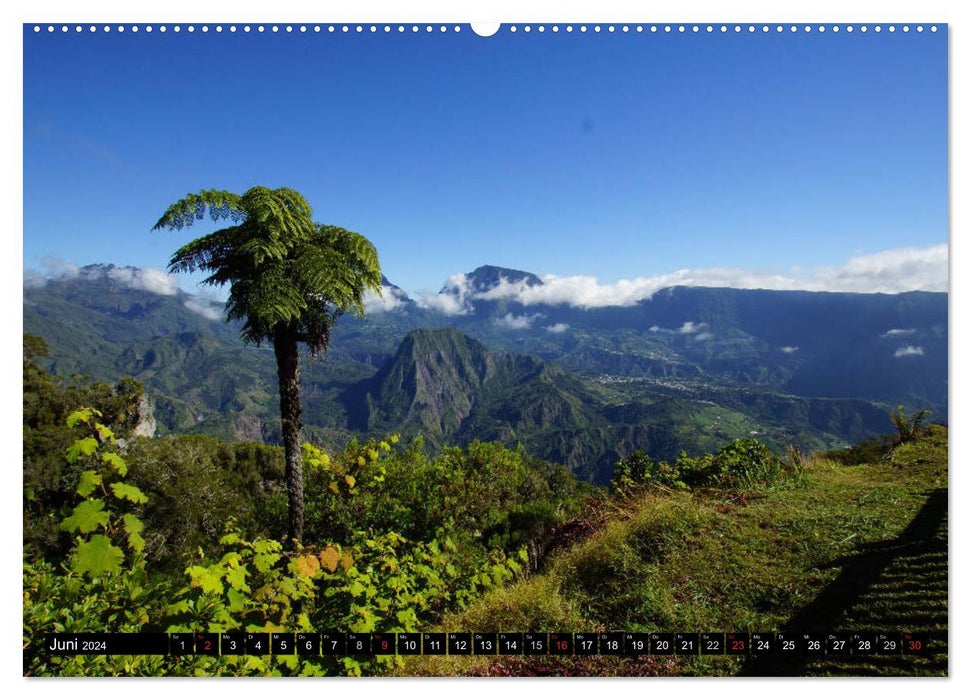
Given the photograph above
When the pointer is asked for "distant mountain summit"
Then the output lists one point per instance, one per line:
(487, 277)
(395, 289)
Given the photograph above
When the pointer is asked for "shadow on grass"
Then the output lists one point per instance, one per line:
(892, 586)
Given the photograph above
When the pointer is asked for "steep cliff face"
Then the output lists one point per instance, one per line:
(431, 383)
(452, 390)
(248, 429)
(146, 424)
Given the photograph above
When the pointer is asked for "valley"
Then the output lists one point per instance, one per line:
(685, 371)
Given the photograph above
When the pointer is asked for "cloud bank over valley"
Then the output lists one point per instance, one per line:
(887, 272)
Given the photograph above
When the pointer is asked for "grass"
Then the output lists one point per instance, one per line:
(837, 549)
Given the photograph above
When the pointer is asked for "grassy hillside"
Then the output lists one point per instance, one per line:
(832, 548)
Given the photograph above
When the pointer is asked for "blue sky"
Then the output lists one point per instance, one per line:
(611, 156)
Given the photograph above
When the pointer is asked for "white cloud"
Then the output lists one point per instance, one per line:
(446, 304)
(452, 300)
(59, 269)
(892, 271)
(789, 349)
(558, 327)
(517, 323)
(33, 279)
(889, 272)
(698, 329)
(908, 350)
(206, 306)
(389, 300)
(147, 279)
(576, 290)
(691, 327)
(896, 332)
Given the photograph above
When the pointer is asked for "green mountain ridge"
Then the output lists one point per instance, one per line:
(585, 397)
(451, 389)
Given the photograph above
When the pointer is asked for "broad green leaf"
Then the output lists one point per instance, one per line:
(89, 480)
(97, 556)
(407, 618)
(105, 433)
(87, 516)
(134, 527)
(81, 448)
(205, 578)
(81, 415)
(265, 562)
(237, 601)
(289, 590)
(115, 462)
(236, 578)
(178, 608)
(366, 623)
(231, 558)
(128, 492)
(230, 538)
(264, 546)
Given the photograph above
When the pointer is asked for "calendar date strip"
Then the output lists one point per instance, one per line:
(492, 643)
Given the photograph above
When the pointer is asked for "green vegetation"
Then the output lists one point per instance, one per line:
(187, 533)
(585, 398)
(289, 279)
(909, 428)
(844, 548)
(741, 463)
(183, 533)
(48, 401)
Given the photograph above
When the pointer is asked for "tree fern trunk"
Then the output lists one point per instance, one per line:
(288, 372)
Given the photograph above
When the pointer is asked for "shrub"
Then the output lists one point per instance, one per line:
(869, 451)
(104, 585)
(744, 463)
(908, 428)
(372, 581)
(48, 485)
(639, 469)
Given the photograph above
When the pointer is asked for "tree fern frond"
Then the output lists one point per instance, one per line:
(193, 207)
(281, 267)
(205, 252)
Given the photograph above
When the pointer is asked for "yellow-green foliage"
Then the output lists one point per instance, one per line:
(373, 582)
(732, 559)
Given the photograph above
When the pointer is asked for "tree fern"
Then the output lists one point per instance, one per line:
(289, 279)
